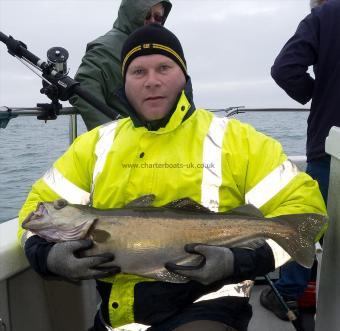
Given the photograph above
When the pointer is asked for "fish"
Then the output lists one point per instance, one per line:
(144, 238)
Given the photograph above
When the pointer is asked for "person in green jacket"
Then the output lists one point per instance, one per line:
(170, 148)
(99, 71)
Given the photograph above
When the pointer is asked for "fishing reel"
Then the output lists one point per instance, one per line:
(57, 62)
(57, 57)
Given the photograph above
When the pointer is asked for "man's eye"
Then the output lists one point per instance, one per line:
(164, 67)
(138, 72)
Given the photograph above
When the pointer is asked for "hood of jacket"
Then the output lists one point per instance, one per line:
(131, 13)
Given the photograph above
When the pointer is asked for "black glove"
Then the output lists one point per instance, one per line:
(62, 260)
(219, 264)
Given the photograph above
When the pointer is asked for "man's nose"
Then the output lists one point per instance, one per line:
(152, 79)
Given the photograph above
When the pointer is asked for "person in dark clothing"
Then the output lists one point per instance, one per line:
(316, 43)
(99, 71)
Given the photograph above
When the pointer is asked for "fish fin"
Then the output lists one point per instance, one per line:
(143, 201)
(187, 204)
(246, 210)
(198, 264)
(301, 246)
(252, 244)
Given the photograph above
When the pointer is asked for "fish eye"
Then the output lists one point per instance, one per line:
(59, 204)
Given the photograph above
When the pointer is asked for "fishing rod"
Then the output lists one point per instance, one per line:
(57, 85)
(289, 313)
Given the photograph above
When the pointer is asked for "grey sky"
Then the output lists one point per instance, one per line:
(229, 45)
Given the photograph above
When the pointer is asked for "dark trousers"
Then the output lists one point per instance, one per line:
(319, 170)
(232, 313)
(293, 277)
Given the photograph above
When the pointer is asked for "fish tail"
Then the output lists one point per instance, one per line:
(301, 243)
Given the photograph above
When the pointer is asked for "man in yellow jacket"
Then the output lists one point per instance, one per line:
(169, 148)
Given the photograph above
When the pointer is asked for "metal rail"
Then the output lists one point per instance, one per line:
(8, 113)
(242, 109)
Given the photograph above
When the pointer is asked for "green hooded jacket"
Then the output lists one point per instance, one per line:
(100, 70)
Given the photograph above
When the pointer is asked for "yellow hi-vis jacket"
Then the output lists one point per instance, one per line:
(218, 162)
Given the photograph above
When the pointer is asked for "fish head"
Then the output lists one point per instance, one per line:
(59, 221)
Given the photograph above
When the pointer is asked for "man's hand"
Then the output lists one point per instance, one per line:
(219, 264)
(62, 260)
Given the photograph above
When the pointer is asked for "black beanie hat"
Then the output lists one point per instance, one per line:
(152, 39)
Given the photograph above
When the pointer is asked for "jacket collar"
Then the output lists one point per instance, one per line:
(182, 110)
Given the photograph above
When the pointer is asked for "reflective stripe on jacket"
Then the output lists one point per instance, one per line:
(218, 162)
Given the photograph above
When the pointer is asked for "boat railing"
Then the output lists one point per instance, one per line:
(8, 113)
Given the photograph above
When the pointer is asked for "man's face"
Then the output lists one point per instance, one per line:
(152, 85)
(155, 14)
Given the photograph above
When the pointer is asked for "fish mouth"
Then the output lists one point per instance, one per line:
(39, 213)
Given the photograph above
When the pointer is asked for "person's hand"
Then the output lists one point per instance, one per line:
(219, 264)
(62, 260)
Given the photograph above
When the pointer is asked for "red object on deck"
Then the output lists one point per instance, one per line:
(309, 296)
